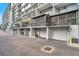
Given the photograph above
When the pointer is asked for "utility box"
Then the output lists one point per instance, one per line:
(74, 42)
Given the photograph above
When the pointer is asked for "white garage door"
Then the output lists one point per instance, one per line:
(27, 32)
(42, 33)
(60, 34)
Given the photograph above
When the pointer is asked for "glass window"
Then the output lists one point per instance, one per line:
(63, 16)
(71, 15)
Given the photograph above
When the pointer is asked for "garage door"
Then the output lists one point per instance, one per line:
(27, 32)
(42, 33)
(60, 34)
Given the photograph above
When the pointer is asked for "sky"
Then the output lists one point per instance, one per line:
(2, 9)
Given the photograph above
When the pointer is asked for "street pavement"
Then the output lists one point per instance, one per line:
(18, 45)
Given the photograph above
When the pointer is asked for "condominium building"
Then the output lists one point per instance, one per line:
(52, 21)
(3, 21)
(6, 18)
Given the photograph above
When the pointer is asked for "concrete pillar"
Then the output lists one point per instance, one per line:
(36, 12)
(38, 31)
(78, 18)
(78, 31)
(30, 33)
(20, 24)
(74, 31)
(78, 13)
(58, 21)
(47, 33)
(18, 32)
(24, 31)
(53, 10)
(11, 31)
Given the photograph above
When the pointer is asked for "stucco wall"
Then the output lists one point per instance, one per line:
(74, 32)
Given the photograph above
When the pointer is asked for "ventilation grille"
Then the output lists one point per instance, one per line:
(75, 40)
(48, 49)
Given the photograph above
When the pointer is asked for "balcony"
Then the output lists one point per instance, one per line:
(24, 25)
(58, 5)
(15, 26)
(45, 6)
(41, 20)
(65, 7)
(64, 19)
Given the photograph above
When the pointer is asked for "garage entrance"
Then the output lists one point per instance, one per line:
(22, 31)
(39, 32)
(14, 31)
(42, 32)
(27, 32)
(59, 33)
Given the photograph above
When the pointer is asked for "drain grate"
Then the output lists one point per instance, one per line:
(48, 49)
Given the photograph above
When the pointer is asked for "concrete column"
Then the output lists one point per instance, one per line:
(11, 31)
(47, 33)
(20, 24)
(58, 20)
(24, 31)
(74, 31)
(30, 33)
(53, 10)
(78, 19)
(78, 13)
(18, 32)
(36, 12)
(78, 30)
(38, 31)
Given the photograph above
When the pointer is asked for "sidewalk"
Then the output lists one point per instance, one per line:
(12, 45)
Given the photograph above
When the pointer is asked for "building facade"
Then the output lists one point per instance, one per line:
(58, 21)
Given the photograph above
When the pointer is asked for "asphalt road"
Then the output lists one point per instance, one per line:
(17, 45)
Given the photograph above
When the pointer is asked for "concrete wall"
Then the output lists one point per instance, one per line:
(69, 8)
(58, 33)
(74, 31)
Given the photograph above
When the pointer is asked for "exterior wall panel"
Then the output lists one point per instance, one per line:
(59, 34)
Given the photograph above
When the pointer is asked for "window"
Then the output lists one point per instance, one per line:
(27, 6)
(46, 10)
(71, 18)
(33, 13)
(38, 21)
(23, 4)
(62, 17)
(22, 9)
(60, 9)
(71, 15)
(72, 21)
(40, 4)
(54, 20)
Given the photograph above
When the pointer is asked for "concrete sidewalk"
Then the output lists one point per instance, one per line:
(14, 45)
